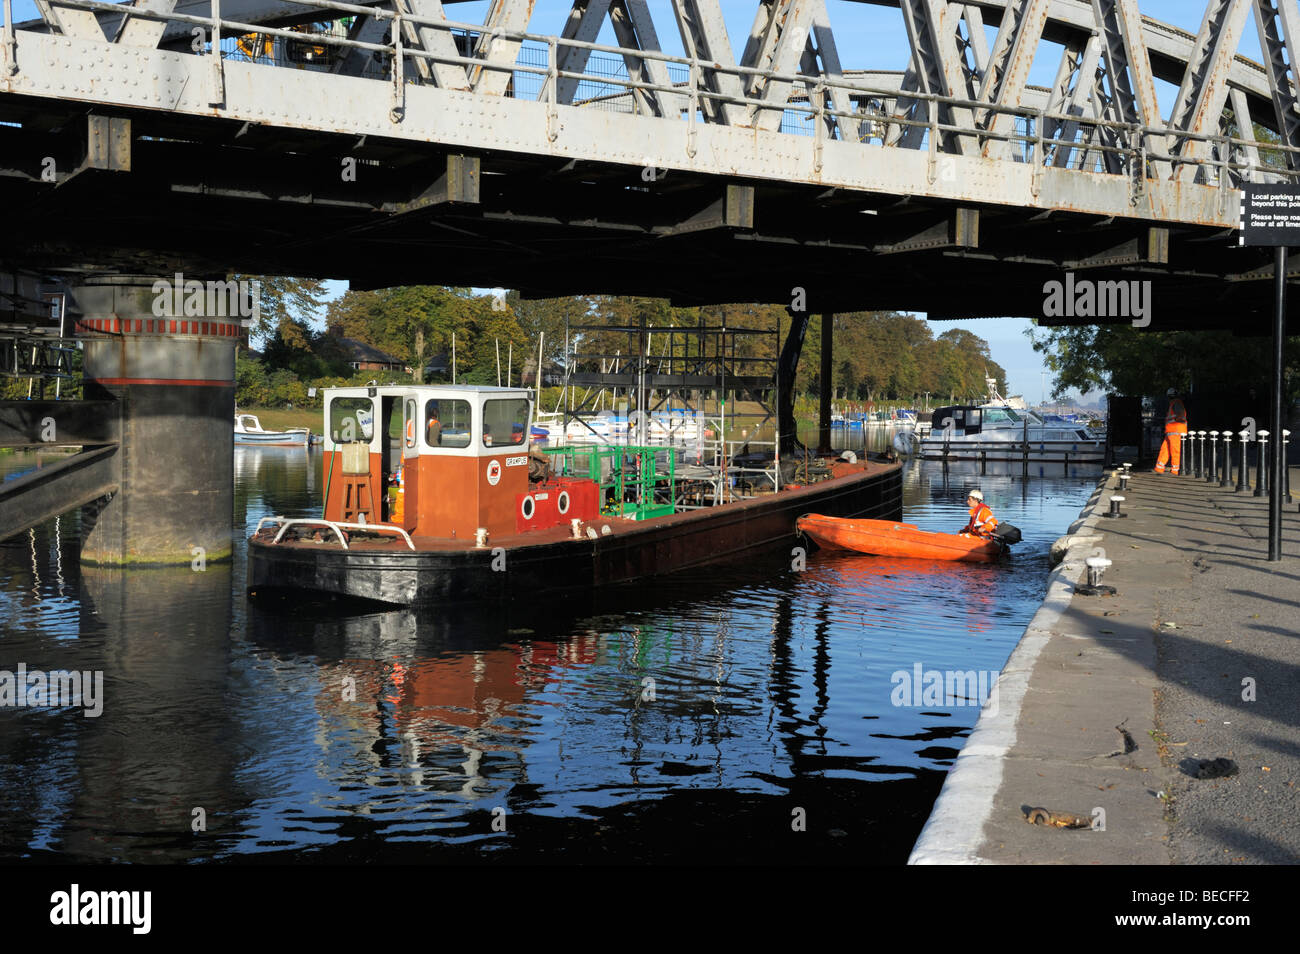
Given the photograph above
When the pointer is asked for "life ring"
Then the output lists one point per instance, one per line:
(527, 507)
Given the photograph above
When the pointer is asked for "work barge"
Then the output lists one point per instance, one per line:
(433, 497)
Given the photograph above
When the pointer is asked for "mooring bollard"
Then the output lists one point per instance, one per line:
(1096, 567)
(1286, 471)
(1200, 454)
(1261, 471)
(1213, 470)
(1114, 508)
(1241, 464)
(1123, 481)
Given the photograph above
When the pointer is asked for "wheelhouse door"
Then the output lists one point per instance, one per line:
(410, 464)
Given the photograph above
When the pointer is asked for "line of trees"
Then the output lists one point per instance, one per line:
(1127, 360)
(877, 355)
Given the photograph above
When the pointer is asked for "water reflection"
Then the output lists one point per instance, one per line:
(683, 720)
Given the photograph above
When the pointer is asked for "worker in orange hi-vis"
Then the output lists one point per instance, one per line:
(1175, 427)
(982, 522)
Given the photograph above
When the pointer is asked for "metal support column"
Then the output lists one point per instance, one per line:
(825, 388)
(1278, 461)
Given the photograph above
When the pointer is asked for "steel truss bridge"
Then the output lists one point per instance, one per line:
(392, 143)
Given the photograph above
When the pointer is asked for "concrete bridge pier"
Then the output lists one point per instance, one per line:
(171, 365)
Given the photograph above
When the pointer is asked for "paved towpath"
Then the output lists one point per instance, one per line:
(1109, 704)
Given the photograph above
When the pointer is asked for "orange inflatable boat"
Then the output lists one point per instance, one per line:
(889, 538)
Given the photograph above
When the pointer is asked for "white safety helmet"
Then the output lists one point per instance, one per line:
(978, 495)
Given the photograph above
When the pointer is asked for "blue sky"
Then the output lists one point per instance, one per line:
(867, 35)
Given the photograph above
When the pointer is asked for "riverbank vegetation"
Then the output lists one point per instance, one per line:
(881, 359)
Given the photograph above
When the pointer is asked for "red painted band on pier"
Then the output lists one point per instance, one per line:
(173, 382)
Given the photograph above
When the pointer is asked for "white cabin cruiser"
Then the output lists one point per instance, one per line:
(248, 430)
(997, 429)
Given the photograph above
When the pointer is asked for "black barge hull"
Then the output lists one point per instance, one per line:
(524, 570)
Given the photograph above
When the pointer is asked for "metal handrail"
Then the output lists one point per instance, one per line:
(263, 521)
(337, 526)
(694, 93)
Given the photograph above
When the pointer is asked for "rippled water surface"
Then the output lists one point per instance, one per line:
(741, 714)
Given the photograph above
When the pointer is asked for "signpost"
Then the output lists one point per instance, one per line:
(1270, 216)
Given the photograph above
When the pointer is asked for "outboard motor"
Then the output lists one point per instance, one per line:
(1007, 533)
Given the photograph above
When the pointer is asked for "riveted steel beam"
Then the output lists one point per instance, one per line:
(906, 107)
(1199, 104)
(972, 39)
(960, 229)
(777, 42)
(733, 210)
(585, 19)
(432, 40)
(497, 50)
(635, 30)
(1279, 37)
(704, 35)
(352, 61)
(1012, 55)
(457, 184)
(314, 104)
(70, 21)
(1072, 95)
(931, 34)
(108, 147)
(822, 59)
(138, 31)
(1128, 68)
(1245, 130)
(1150, 247)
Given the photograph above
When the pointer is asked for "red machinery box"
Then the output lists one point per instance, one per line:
(556, 501)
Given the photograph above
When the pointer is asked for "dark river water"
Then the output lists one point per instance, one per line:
(749, 714)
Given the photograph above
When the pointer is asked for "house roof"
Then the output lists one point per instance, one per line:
(360, 351)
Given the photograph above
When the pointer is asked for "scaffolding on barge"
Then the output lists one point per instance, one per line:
(677, 395)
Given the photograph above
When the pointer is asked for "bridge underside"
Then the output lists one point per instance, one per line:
(266, 200)
(387, 144)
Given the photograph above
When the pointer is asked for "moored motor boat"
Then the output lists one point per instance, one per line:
(249, 430)
(891, 538)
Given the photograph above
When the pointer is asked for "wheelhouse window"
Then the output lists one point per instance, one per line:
(505, 422)
(352, 419)
(447, 423)
(409, 414)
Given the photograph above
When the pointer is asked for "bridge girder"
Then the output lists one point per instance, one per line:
(649, 172)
